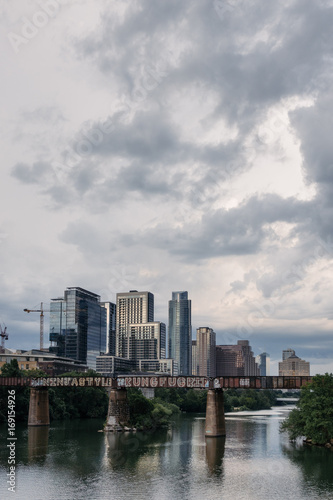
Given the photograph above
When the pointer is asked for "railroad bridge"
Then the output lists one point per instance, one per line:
(118, 413)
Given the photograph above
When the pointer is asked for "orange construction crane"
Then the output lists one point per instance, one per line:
(41, 325)
(4, 336)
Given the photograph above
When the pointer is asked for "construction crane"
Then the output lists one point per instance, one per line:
(4, 336)
(41, 325)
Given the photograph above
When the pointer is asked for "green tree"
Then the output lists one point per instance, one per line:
(11, 369)
(149, 413)
(313, 417)
(34, 372)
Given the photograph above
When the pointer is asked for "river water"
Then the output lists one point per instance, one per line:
(73, 461)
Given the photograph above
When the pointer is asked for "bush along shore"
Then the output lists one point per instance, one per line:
(312, 419)
(149, 414)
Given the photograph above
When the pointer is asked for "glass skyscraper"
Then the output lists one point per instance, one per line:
(263, 362)
(180, 332)
(110, 327)
(78, 326)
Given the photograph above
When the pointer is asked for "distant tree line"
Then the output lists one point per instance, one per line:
(191, 400)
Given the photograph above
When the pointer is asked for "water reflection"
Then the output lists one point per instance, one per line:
(215, 448)
(126, 449)
(315, 463)
(38, 440)
(73, 460)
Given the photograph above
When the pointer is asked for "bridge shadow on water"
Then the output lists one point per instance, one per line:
(38, 442)
(125, 449)
(175, 445)
(215, 448)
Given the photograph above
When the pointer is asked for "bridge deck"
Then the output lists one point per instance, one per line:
(160, 381)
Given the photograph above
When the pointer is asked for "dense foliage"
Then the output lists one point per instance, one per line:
(149, 413)
(22, 394)
(249, 399)
(191, 400)
(313, 417)
(65, 402)
(188, 400)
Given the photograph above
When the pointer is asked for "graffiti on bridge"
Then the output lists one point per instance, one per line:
(153, 381)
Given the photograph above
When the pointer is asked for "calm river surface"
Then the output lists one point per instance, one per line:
(72, 461)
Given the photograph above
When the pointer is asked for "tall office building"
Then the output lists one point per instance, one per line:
(206, 351)
(263, 362)
(180, 332)
(133, 307)
(78, 326)
(195, 365)
(250, 365)
(110, 308)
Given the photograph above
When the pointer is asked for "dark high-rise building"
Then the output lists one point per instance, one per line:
(180, 332)
(229, 361)
(206, 352)
(78, 326)
(235, 360)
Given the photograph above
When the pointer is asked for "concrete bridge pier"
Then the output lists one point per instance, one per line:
(39, 413)
(118, 411)
(215, 420)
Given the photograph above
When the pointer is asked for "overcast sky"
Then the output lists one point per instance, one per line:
(171, 145)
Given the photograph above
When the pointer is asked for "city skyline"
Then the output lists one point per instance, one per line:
(138, 307)
(172, 146)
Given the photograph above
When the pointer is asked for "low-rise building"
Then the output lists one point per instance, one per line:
(110, 366)
(35, 359)
(294, 366)
(166, 366)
